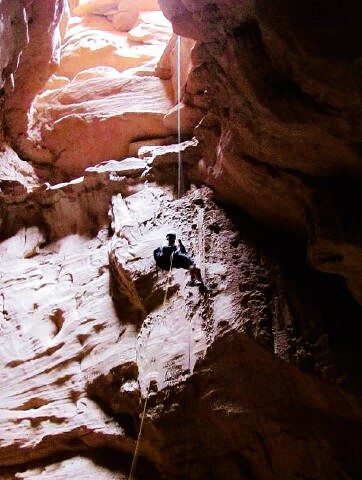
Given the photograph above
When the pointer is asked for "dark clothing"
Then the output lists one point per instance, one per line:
(180, 259)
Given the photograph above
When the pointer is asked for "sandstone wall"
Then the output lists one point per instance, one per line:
(259, 377)
(282, 139)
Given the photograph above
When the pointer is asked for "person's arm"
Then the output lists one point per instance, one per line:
(182, 247)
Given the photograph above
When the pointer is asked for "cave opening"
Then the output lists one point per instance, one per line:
(114, 83)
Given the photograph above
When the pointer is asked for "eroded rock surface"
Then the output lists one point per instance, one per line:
(259, 377)
(92, 41)
(99, 117)
(281, 81)
(96, 93)
(102, 325)
(32, 63)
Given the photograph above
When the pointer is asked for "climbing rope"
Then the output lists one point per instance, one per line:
(202, 259)
(135, 455)
(201, 248)
(168, 280)
(201, 241)
(201, 255)
(188, 415)
(179, 177)
(134, 461)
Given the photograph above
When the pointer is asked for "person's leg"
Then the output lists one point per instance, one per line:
(195, 273)
(182, 260)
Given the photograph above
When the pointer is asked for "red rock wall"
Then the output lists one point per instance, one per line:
(258, 379)
(38, 59)
(14, 37)
(283, 138)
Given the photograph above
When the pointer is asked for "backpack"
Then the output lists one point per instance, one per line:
(162, 256)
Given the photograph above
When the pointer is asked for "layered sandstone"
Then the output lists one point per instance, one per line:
(99, 115)
(282, 140)
(38, 59)
(259, 377)
(76, 368)
(106, 90)
(85, 348)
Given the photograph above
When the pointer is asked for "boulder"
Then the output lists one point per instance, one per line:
(151, 28)
(134, 147)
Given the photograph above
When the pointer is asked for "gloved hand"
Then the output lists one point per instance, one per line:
(181, 246)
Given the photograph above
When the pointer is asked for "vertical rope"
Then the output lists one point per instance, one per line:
(168, 280)
(179, 176)
(201, 241)
(134, 461)
(188, 442)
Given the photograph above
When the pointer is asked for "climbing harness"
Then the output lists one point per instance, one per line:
(201, 247)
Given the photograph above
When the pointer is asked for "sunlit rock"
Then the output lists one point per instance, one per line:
(97, 7)
(25, 244)
(256, 376)
(99, 117)
(130, 167)
(124, 21)
(92, 57)
(152, 27)
(176, 63)
(75, 467)
(13, 169)
(165, 155)
(36, 63)
(73, 353)
(53, 349)
(110, 7)
(123, 14)
(134, 147)
(55, 82)
(93, 42)
(79, 206)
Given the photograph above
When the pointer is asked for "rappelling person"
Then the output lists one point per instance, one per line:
(169, 256)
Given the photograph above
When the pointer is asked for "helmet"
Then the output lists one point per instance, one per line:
(171, 233)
